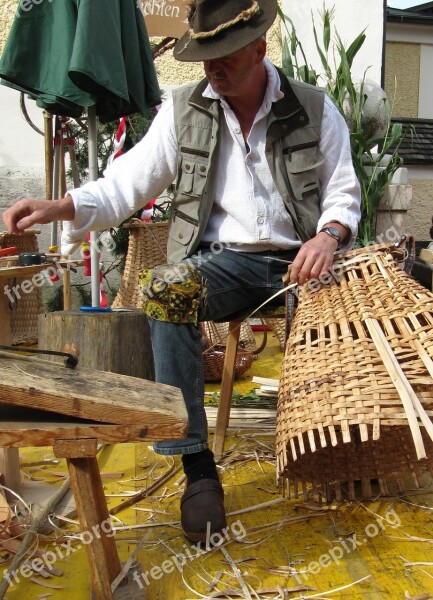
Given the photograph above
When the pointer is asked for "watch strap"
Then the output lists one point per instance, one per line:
(333, 232)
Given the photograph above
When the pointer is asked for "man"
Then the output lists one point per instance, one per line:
(263, 177)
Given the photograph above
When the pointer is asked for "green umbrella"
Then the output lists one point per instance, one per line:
(71, 55)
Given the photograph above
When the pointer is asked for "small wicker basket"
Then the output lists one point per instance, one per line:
(214, 350)
(213, 363)
(26, 308)
(217, 333)
(147, 248)
(356, 391)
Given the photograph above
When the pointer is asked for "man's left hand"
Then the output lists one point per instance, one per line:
(314, 259)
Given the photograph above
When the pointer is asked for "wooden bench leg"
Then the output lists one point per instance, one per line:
(10, 469)
(228, 377)
(92, 512)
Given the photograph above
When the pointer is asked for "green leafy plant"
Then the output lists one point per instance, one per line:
(248, 400)
(367, 113)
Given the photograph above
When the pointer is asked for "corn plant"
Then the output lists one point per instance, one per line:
(374, 170)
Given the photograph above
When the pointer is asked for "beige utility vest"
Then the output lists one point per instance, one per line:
(292, 152)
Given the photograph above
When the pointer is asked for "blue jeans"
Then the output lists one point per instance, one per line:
(235, 282)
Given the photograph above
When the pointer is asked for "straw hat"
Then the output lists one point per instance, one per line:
(221, 27)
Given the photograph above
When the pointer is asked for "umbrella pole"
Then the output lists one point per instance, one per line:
(93, 176)
(56, 175)
(48, 138)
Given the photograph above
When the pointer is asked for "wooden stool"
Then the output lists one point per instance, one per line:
(227, 382)
(92, 407)
(228, 377)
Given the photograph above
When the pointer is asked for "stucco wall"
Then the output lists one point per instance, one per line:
(402, 68)
(402, 82)
(7, 12)
(420, 215)
(350, 18)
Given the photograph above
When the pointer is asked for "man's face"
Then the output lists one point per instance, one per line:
(233, 74)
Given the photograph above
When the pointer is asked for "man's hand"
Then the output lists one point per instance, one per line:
(313, 259)
(316, 256)
(26, 213)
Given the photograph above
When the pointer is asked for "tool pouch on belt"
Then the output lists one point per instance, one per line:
(172, 293)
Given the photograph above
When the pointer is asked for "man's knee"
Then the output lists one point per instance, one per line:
(172, 293)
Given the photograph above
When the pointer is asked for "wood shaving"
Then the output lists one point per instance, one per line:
(51, 586)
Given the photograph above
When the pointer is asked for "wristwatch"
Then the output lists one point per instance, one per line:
(334, 233)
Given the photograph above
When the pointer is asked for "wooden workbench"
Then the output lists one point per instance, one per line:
(74, 411)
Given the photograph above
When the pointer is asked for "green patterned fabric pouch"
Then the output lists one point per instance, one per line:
(172, 293)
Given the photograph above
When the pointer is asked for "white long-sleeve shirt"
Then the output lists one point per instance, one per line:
(248, 210)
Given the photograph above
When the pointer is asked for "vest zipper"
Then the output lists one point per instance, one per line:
(194, 152)
(289, 151)
(181, 215)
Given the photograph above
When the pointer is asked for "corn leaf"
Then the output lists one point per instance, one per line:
(286, 60)
(326, 29)
(323, 58)
(354, 47)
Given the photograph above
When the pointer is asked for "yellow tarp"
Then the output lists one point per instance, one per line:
(273, 547)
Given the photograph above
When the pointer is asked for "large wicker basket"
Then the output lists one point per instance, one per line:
(25, 309)
(356, 392)
(147, 247)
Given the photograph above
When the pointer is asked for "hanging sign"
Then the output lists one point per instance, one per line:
(165, 18)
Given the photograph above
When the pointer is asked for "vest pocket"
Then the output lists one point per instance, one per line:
(182, 227)
(193, 173)
(302, 163)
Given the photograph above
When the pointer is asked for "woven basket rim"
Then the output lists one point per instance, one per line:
(136, 224)
(390, 246)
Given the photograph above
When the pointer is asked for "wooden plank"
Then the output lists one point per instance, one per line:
(426, 255)
(24, 427)
(242, 418)
(22, 271)
(99, 396)
(14, 258)
(26, 434)
(266, 381)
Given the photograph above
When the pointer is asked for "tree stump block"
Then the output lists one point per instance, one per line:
(113, 341)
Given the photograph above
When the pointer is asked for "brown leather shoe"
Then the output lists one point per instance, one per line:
(201, 503)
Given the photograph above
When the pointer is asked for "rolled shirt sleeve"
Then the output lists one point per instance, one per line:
(133, 179)
(341, 192)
